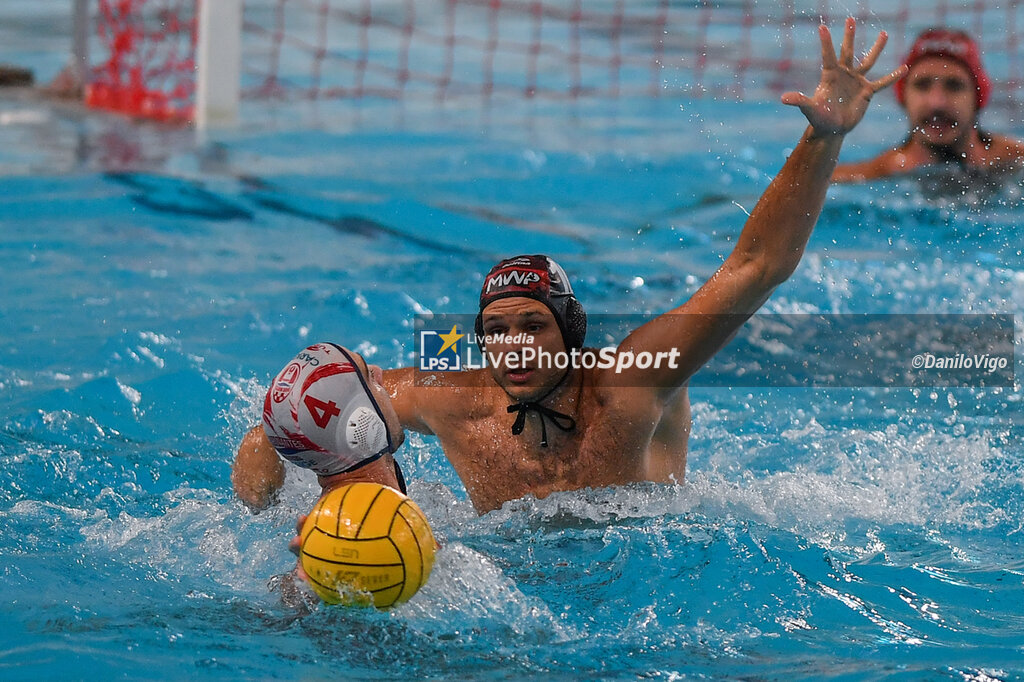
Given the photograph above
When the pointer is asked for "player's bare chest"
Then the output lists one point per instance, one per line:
(496, 464)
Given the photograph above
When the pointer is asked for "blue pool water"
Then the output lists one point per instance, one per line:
(155, 280)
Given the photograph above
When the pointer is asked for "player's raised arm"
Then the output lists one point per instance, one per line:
(774, 238)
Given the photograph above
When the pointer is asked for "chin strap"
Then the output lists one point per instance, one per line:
(562, 421)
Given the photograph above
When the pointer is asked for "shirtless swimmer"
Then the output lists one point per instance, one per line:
(510, 432)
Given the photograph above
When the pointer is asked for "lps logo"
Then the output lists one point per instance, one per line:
(439, 352)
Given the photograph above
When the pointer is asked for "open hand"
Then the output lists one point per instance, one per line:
(843, 94)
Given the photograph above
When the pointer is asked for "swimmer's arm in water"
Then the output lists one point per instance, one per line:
(774, 238)
(257, 472)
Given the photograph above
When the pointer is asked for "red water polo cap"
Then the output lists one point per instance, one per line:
(941, 42)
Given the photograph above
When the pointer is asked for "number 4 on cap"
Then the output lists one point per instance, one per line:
(321, 412)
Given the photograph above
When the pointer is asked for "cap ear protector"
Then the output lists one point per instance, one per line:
(575, 329)
(541, 279)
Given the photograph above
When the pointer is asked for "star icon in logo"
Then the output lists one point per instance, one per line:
(449, 339)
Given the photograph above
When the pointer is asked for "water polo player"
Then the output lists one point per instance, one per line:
(942, 94)
(325, 411)
(522, 427)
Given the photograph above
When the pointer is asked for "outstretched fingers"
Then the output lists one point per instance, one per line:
(846, 49)
(844, 91)
(886, 81)
(872, 56)
(796, 99)
(828, 50)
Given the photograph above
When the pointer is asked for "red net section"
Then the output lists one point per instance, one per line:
(544, 49)
(599, 48)
(456, 48)
(147, 58)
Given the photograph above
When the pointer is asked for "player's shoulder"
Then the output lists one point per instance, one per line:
(410, 377)
(424, 397)
(1006, 148)
(890, 162)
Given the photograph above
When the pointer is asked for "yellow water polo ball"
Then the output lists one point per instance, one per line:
(366, 543)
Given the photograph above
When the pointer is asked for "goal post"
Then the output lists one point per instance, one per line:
(218, 63)
(80, 41)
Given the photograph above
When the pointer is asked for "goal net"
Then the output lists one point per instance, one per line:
(489, 49)
(145, 61)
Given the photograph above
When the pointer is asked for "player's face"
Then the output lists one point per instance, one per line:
(524, 334)
(374, 377)
(940, 102)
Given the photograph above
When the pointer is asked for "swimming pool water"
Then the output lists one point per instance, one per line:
(154, 281)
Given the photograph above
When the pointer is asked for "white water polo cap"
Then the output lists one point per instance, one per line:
(319, 413)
